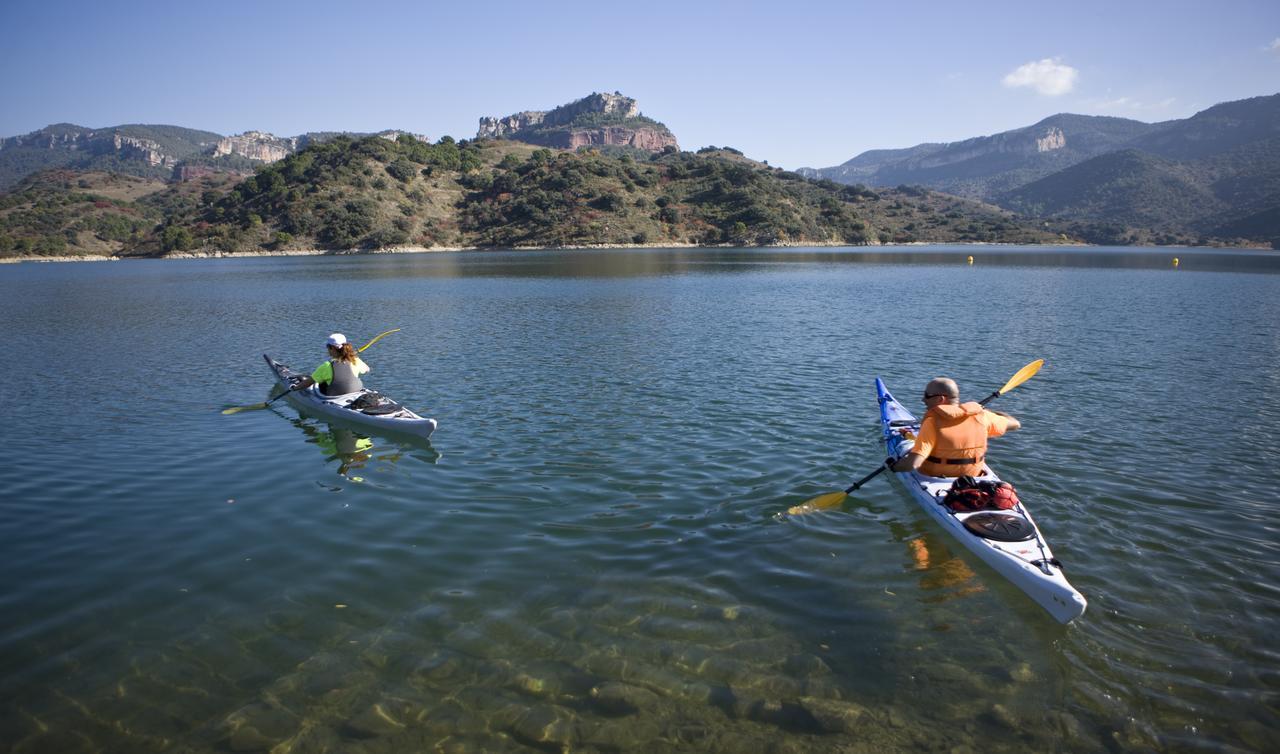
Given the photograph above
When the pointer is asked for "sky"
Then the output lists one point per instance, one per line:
(797, 83)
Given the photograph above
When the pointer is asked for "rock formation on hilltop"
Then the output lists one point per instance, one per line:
(256, 145)
(595, 120)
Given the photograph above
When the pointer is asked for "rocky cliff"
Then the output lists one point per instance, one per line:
(140, 150)
(257, 145)
(595, 120)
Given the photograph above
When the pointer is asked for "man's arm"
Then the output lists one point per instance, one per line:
(1010, 423)
(909, 462)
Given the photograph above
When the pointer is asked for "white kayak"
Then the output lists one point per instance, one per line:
(1007, 540)
(365, 407)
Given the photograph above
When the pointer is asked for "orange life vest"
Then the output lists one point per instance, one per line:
(962, 440)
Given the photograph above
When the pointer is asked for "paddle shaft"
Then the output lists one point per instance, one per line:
(865, 479)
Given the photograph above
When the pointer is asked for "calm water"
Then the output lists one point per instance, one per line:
(587, 555)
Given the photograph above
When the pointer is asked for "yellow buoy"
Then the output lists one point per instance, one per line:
(1175, 261)
(970, 259)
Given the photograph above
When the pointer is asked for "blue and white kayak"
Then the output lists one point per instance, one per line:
(1007, 540)
(364, 407)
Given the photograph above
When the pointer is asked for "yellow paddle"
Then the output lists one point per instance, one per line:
(388, 332)
(1022, 376)
(256, 406)
(834, 499)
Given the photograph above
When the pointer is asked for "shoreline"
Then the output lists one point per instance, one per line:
(575, 247)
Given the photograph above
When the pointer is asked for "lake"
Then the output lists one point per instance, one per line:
(588, 554)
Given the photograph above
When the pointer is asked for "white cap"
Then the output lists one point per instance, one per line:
(337, 340)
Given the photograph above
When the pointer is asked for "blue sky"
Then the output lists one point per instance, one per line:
(796, 83)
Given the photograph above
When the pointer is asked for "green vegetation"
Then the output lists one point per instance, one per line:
(64, 213)
(371, 193)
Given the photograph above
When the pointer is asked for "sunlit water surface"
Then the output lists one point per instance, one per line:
(588, 554)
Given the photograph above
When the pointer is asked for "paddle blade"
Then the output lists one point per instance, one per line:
(238, 409)
(819, 503)
(1022, 376)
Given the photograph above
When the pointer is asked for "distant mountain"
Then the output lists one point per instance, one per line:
(1127, 187)
(1214, 177)
(1220, 129)
(597, 120)
(139, 150)
(985, 166)
(145, 151)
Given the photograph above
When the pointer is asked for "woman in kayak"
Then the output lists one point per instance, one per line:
(953, 435)
(341, 373)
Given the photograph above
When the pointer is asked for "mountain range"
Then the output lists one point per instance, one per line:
(1213, 175)
(148, 151)
(597, 171)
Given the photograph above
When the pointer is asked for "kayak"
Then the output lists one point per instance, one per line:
(1007, 540)
(364, 407)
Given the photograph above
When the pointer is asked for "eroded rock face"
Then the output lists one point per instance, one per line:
(142, 149)
(553, 128)
(1052, 139)
(497, 128)
(650, 139)
(614, 105)
(257, 145)
(71, 140)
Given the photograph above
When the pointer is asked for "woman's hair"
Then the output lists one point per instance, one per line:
(346, 352)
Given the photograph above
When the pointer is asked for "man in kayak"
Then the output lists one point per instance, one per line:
(953, 435)
(341, 373)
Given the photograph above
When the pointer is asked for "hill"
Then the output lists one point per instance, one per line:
(1210, 178)
(1127, 187)
(138, 150)
(986, 166)
(70, 213)
(373, 193)
(147, 151)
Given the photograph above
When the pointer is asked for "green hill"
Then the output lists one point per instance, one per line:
(372, 193)
(69, 213)
(1127, 187)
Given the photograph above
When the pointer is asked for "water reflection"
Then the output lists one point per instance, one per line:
(353, 451)
(648, 263)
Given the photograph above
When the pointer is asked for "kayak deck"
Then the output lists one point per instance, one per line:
(1007, 540)
(390, 416)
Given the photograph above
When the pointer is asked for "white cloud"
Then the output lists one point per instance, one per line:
(1048, 77)
(1275, 46)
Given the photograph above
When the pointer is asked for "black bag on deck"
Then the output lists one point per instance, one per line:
(374, 404)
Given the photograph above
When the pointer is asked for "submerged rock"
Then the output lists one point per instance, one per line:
(629, 734)
(833, 716)
(1022, 673)
(1005, 716)
(258, 727)
(806, 665)
(546, 725)
(440, 666)
(622, 699)
(375, 721)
